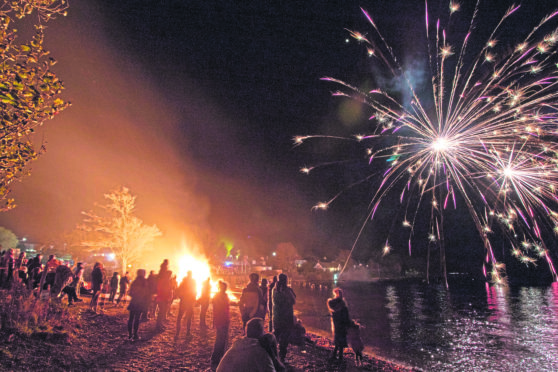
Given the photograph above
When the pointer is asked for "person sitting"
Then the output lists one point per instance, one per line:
(247, 354)
(269, 343)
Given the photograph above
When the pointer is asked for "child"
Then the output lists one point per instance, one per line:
(355, 342)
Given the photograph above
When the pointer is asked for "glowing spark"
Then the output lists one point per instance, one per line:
(446, 51)
(386, 250)
(321, 205)
(454, 7)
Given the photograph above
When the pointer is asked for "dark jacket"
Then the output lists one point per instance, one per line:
(124, 283)
(340, 320)
(114, 282)
(97, 278)
(283, 302)
(221, 312)
(186, 292)
(141, 295)
(251, 302)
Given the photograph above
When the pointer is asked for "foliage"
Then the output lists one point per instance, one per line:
(29, 89)
(7, 238)
(118, 229)
(72, 242)
(22, 311)
(285, 255)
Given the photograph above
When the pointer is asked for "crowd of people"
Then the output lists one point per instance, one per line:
(256, 302)
(54, 277)
(151, 296)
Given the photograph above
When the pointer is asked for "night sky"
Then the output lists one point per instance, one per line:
(194, 104)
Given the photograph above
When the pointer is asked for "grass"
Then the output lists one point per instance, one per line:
(22, 312)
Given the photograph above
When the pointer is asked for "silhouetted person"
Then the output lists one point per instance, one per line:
(340, 322)
(20, 268)
(269, 343)
(97, 279)
(270, 302)
(265, 295)
(247, 354)
(164, 297)
(283, 301)
(140, 298)
(204, 301)
(164, 266)
(251, 301)
(221, 323)
(186, 292)
(124, 283)
(113, 286)
(50, 268)
(34, 267)
(152, 284)
(71, 288)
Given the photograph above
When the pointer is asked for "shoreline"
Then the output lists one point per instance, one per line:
(99, 341)
(368, 352)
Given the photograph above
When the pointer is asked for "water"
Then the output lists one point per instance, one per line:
(470, 327)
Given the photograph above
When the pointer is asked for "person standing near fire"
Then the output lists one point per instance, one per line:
(221, 323)
(284, 299)
(251, 301)
(186, 292)
(113, 286)
(124, 283)
(270, 302)
(204, 301)
(164, 298)
(97, 279)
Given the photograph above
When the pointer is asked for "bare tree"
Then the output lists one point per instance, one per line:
(118, 228)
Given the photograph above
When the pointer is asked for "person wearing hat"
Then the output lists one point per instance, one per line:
(284, 299)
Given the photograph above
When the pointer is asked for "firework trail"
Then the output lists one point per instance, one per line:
(489, 135)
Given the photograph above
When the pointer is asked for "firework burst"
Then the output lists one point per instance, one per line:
(488, 134)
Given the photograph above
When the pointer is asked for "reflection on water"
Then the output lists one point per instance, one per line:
(471, 327)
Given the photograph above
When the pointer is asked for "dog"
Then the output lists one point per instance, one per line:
(355, 342)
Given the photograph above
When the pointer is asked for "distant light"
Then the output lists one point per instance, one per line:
(111, 256)
(24, 239)
(228, 263)
(274, 254)
(129, 265)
